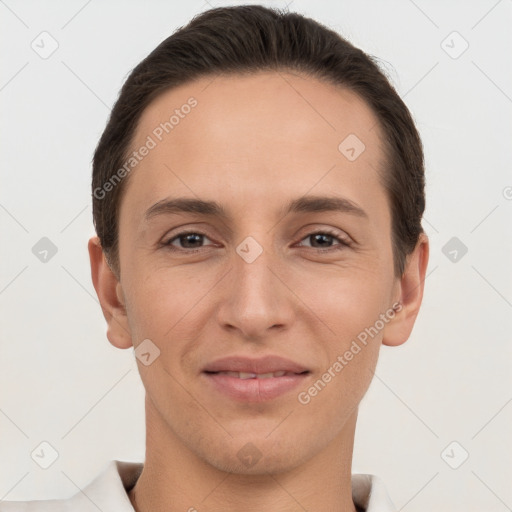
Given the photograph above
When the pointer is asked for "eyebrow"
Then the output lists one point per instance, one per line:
(306, 204)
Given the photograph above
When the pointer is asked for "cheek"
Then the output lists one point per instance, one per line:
(345, 300)
(334, 395)
(164, 301)
(346, 307)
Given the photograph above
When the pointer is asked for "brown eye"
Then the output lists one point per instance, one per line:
(189, 240)
(323, 240)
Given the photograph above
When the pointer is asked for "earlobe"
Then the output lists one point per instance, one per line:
(410, 287)
(110, 295)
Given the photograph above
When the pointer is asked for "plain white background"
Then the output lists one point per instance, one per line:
(62, 382)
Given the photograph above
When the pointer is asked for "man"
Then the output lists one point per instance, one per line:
(258, 194)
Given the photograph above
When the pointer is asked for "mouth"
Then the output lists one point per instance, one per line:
(268, 364)
(246, 379)
(250, 375)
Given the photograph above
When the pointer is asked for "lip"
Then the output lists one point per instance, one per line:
(266, 364)
(254, 389)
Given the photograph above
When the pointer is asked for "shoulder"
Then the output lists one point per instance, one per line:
(75, 503)
(369, 494)
(108, 491)
(35, 505)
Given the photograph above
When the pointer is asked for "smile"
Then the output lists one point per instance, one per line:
(253, 387)
(249, 375)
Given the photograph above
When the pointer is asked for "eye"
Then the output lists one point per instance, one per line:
(324, 239)
(190, 241)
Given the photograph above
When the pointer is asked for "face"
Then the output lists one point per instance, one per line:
(269, 268)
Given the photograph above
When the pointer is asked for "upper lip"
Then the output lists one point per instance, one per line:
(266, 364)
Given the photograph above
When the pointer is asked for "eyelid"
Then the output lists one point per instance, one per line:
(343, 238)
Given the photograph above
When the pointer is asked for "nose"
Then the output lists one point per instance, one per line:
(255, 298)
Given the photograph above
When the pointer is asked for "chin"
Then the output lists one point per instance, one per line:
(255, 455)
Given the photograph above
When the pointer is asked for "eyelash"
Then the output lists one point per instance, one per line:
(344, 243)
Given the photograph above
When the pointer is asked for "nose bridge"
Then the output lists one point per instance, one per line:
(252, 271)
(256, 299)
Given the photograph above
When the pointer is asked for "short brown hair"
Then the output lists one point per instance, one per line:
(250, 38)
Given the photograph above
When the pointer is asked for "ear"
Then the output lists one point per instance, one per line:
(110, 295)
(410, 294)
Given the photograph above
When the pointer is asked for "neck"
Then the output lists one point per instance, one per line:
(175, 479)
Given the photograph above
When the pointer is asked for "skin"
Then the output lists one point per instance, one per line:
(252, 157)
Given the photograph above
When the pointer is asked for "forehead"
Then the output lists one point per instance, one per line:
(269, 102)
(256, 135)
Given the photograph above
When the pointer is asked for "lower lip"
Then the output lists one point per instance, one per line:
(254, 390)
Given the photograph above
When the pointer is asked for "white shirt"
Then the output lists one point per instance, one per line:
(108, 492)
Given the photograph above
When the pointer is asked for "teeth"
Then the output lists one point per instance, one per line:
(247, 375)
(231, 374)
